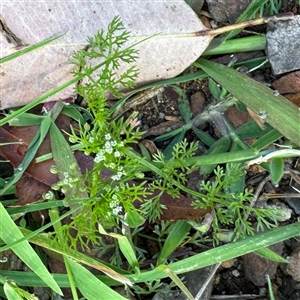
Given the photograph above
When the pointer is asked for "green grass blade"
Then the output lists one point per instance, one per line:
(177, 281)
(176, 236)
(9, 232)
(270, 288)
(271, 255)
(226, 252)
(251, 43)
(27, 119)
(204, 259)
(183, 104)
(267, 139)
(28, 49)
(109, 270)
(177, 139)
(125, 247)
(275, 110)
(11, 292)
(89, 285)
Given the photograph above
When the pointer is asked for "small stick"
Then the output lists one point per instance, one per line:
(214, 32)
(280, 17)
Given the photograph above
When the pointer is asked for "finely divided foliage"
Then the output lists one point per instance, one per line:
(112, 183)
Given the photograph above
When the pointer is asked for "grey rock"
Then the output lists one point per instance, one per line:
(227, 10)
(256, 267)
(293, 202)
(293, 267)
(283, 44)
(193, 281)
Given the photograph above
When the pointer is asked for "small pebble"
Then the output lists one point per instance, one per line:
(235, 273)
(226, 264)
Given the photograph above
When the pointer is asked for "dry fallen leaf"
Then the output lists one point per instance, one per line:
(31, 75)
(37, 178)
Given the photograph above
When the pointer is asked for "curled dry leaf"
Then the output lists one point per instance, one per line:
(37, 178)
(31, 75)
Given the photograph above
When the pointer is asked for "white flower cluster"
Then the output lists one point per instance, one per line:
(119, 174)
(108, 148)
(115, 206)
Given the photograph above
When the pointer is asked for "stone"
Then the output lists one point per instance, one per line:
(227, 10)
(256, 267)
(283, 44)
(293, 267)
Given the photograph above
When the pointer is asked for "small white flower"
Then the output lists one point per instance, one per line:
(109, 150)
(113, 143)
(107, 136)
(117, 154)
(99, 157)
(107, 145)
(115, 177)
(117, 210)
(91, 139)
(115, 197)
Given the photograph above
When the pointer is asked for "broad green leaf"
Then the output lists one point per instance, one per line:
(249, 43)
(275, 110)
(27, 119)
(204, 137)
(65, 161)
(134, 219)
(178, 233)
(89, 285)
(9, 232)
(276, 169)
(267, 139)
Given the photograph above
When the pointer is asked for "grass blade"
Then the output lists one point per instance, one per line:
(89, 285)
(271, 255)
(275, 110)
(28, 49)
(9, 232)
(204, 259)
(176, 236)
